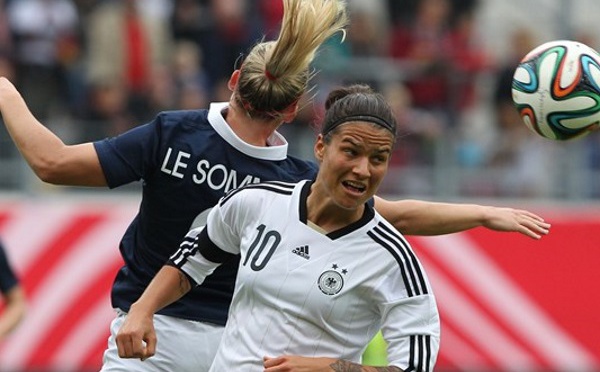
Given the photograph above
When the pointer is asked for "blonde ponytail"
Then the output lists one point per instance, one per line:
(276, 73)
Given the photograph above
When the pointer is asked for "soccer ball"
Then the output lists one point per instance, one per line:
(556, 89)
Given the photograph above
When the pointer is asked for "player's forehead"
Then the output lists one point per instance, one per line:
(364, 134)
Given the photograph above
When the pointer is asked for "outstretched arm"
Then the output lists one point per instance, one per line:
(14, 311)
(47, 155)
(415, 217)
(169, 285)
(295, 363)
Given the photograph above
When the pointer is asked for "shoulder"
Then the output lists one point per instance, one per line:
(254, 202)
(183, 117)
(302, 164)
(173, 124)
(404, 263)
(166, 123)
(257, 192)
(385, 236)
(299, 169)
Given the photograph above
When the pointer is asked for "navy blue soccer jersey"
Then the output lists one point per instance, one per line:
(8, 278)
(187, 160)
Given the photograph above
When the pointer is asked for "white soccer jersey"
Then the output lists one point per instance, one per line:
(302, 292)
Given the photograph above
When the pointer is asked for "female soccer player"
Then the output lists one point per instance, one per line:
(320, 270)
(13, 297)
(189, 159)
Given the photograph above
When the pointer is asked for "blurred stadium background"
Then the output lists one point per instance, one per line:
(508, 303)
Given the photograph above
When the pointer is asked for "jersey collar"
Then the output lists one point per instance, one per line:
(367, 216)
(278, 146)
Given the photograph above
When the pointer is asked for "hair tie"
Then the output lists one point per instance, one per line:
(270, 76)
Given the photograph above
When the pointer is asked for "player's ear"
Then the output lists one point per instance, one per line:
(290, 112)
(319, 148)
(233, 80)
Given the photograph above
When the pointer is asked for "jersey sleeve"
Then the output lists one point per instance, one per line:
(198, 256)
(128, 157)
(411, 329)
(410, 317)
(8, 279)
(203, 249)
(224, 224)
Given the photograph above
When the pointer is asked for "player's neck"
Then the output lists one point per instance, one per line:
(253, 132)
(327, 215)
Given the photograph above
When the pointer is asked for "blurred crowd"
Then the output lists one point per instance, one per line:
(95, 68)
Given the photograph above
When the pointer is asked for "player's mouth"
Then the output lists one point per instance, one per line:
(354, 187)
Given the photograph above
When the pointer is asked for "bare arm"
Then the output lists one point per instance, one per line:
(47, 155)
(294, 363)
(169, 285)
(13, 312)
(414, 217)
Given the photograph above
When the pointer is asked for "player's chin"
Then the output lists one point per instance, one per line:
(352, 202)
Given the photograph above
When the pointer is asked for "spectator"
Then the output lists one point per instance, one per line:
(420, 128)
(418, 133)
(270, 13)
(368, 30)
(469, 60)
(231, 32)
(182, 84)
(127, 44)
(190, 79)
(46, 44)
(523, 158)
(108, 113)
(6, 47)
(190, 20)
(424, 44)
(468, 64)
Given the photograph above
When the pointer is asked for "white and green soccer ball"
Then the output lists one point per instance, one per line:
(556, 89)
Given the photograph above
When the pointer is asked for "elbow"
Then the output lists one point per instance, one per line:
(46, 174)
(403, 226)
(47, 170)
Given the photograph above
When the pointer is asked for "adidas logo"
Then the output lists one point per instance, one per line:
(302, 251)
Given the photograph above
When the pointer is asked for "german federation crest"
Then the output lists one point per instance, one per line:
(331, 282)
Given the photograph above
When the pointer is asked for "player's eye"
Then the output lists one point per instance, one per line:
(350, 151)
(379, 159)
